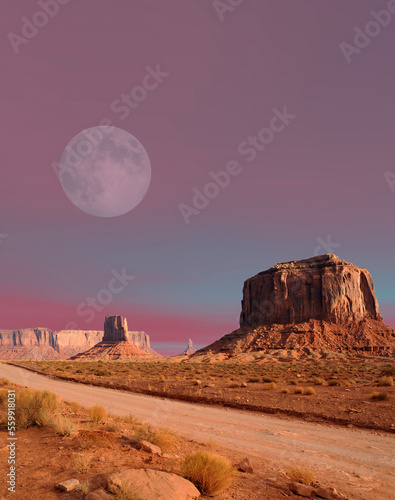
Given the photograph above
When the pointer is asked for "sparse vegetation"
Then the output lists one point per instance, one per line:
(380, 396)
(385, 381)
(309, 391)
(300, 475)
(271, 386)
(81, 463)
(298, 390)
(126, 492)
(211, 474)
(97, 414)
(63, 425)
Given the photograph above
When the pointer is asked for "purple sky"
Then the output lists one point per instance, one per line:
(321, 176)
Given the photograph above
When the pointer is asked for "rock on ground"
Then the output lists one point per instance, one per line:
(154, 485)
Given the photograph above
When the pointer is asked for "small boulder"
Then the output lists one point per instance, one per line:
(327, 493)
(99, 495)
(153, 484)
(302, 489)
(245, 466)
(243, 384)
(149, 447)
(69, 485)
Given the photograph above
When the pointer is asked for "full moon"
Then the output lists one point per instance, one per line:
(105, 171)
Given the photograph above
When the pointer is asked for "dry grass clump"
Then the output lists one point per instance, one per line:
(75, 407)
(255, 380)
(298, 390)
(319, 381)
(271, 386)
(85, 487)
(210, 473)
(309, 391)
(34, 407)
(97, 414)
(285, 390)
(63, 426)
(380, 396)
(81, 463)
(162, 437)
(131, 419)
(126, 492)
(385, 382)
(300, 474)
(388, 371)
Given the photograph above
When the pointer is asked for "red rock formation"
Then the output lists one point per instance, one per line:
(43, 343)
(189, 350)
(115, 329)
(116, 343)
(323, 288)
(322, 303)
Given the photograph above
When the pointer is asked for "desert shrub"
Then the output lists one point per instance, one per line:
(235, 385)
(292, 382)
(271, 386)
(97, 414)
(162, 437)
(126, 492)
(285, 390)
(102, 373)
(300, 474)
(385, 382)
(81, 463)
(380, 396)
(28, 404)
(44, 418)
(79, 371)
(75, 407)
(60, 369)
(334, 382)
(85, 487)
(211, 474)
(309, 391)
(268, 380)
(255, 380)
(63, 426)
(131, 419)
(4, 381)
(298, 390)
(388, 371)
(319, 381)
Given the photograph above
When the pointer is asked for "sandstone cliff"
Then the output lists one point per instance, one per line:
(43, 343)
(320, 303)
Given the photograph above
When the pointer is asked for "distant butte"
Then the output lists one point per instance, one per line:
(321, 303)
(116, 343)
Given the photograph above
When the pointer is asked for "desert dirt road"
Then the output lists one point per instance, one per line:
(359, 463)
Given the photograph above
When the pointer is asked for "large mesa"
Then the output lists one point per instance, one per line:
(321, 303)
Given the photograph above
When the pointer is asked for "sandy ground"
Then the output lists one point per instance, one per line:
(359, 463)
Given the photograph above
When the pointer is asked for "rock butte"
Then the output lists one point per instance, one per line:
(189, 350)
(321, 303)
(116, 343)
(43, 343)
